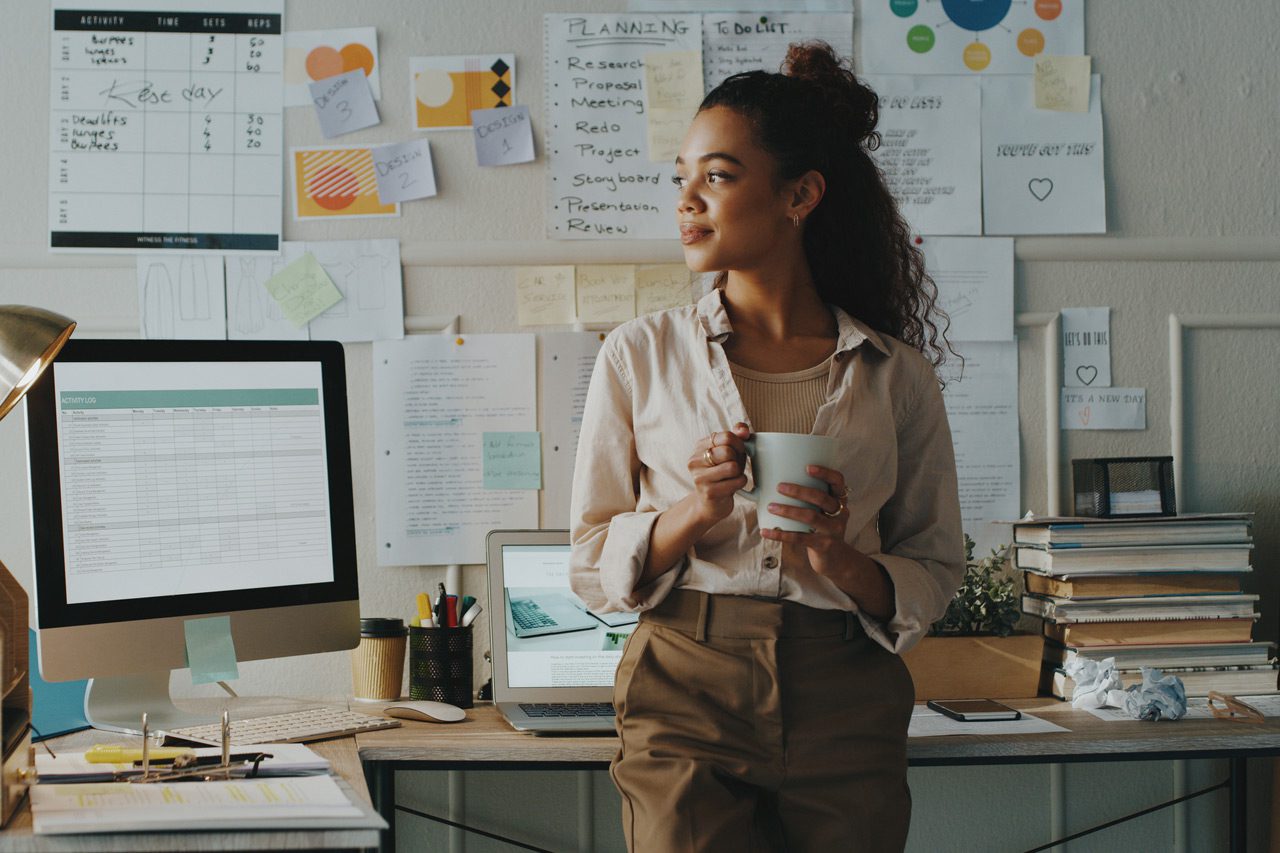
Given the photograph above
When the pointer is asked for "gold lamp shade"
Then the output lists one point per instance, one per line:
(29, 339)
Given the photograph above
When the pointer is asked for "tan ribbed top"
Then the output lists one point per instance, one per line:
(783, 402)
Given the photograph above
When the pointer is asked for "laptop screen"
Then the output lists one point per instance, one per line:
(553, 640)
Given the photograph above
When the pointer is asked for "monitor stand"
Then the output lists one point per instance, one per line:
(116, 704)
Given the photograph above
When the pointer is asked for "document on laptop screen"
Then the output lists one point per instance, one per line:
(552, 639)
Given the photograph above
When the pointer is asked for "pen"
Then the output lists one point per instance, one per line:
(115, 754)
(212, 760)
(424, 607)
(451, 611)
(470, 615)
(441, 598)
(467, 602)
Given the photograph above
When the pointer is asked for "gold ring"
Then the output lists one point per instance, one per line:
(706, 457)
(839, 510)
(844, 493)
(711, 439)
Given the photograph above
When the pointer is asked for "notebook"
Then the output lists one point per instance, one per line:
(553, 659)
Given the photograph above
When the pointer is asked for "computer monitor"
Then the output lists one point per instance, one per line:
(177, 480)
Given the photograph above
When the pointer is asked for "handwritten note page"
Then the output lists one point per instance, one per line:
(367, 274)
(1086, 347)
(606, 293)
(434, 398)
(673, 91)
(503, 136)
(1041, 170)
(344, 103)
(565, 362)
(182, 297)
(311, 55)
(303, 290)
(601, 184)
(252, 315)
(1104, 408)
(974, 276)
(1062, 83)
(404, 171)
(662, 286)
(544, 295)
(931, 151)
(165, 127)
(512, 460)
(736, 42)
(982, 407)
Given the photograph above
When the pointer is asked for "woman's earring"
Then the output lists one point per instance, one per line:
(795, 219)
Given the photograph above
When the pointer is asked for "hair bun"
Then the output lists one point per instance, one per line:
(850, 102)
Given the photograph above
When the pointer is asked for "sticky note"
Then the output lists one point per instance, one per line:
(661, 286)
(344, 103)
(303, 290)
(673, 92)
(606, 293)
(512, 460)
(404, 171)
(544, 295)
(211, 653)
(503, 135)
(1062, 83)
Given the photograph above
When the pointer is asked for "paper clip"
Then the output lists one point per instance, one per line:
(1233, 709)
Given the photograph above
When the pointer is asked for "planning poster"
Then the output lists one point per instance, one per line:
(165, 126)
(601, 181)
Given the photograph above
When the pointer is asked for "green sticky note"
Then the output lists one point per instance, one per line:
(304, 290)
(211, 653)
(512, 460)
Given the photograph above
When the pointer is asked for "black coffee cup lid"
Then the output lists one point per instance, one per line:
(378, 626)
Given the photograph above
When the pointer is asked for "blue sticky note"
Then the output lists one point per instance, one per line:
(211, 653)
(57, 707)
(512, 460)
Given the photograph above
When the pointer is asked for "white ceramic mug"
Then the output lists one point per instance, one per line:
(784, 457)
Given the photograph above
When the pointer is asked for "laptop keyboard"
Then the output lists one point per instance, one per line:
(567, 709)
(528, 615)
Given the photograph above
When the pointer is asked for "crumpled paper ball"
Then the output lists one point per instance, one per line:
(1158, 697)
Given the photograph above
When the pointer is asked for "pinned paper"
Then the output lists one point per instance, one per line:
(211, 653)
(1062, 83)
(182, 297)
(673, 91)
(404, 171)
(446, 89)
(661, 286)
(344, 103)
(544, 295)
(512, 460)
(337, 182)
(1086, 347)
(303, 290)
(1104, 408)
(503, 136)
(606, 293)
(311, 55)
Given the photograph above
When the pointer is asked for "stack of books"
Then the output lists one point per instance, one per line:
(1161, 592)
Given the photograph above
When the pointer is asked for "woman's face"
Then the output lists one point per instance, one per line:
(732, 209)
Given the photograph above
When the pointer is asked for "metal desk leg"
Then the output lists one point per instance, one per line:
(1239, 804)
(381, 778)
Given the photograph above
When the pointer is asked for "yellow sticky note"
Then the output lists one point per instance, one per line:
(673, 79)
(661, 286)
(606, 293)
(544, 295)
(303, 290)
(664, 131)
(1062, 83)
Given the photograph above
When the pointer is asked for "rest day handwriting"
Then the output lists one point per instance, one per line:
(145, 93)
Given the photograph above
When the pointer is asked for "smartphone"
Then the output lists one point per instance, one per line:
(974, 710)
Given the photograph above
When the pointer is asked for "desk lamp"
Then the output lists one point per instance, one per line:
(29, 340)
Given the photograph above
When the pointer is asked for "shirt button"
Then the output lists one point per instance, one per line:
(771, 562)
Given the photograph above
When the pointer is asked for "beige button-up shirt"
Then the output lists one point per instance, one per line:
(662, 382)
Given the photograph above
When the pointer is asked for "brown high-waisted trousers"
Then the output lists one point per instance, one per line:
(748, 724)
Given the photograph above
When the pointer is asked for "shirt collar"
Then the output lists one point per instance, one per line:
(850, 333)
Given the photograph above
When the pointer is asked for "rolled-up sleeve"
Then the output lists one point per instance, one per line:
(921, 536)
(610, 535)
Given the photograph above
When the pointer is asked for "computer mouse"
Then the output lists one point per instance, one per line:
(426, 711)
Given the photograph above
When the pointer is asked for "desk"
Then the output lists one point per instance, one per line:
(341, 753)
(486, 742)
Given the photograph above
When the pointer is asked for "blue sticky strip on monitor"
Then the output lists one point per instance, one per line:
(57, 707)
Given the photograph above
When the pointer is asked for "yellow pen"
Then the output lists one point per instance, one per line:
(425, 617)
(116, 754)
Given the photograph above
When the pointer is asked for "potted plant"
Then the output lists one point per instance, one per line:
(973, 651)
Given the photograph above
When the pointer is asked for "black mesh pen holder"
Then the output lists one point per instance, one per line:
(440, 665)
(1123, 487)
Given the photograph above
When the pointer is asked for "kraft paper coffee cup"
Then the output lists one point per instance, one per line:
(377, 664)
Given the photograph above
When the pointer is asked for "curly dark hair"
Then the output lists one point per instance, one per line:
(816, 115)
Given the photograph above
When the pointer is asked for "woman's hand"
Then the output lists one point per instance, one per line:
(718, 469)
(827, 550)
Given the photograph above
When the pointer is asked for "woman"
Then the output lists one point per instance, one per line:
(761, 701)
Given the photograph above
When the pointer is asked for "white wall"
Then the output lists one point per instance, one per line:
(1190, 121)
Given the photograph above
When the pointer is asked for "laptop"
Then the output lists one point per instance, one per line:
(553, 659)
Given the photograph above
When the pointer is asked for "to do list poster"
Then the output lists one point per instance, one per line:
(166, 126)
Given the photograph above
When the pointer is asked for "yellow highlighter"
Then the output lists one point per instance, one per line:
(115, 754)
(425, 616)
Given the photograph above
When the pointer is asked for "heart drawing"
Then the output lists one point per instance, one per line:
(1084, 415)
(1040, 188)
(1086, 370)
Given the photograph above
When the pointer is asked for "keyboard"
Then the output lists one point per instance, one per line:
(291, 727)
(567, 709)
(528, 615)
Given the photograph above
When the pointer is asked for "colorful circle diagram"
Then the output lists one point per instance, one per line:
(976, 15)
(323, 61)
(997, 36)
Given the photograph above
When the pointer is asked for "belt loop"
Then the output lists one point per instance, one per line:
(850, 622)
(700, 633)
